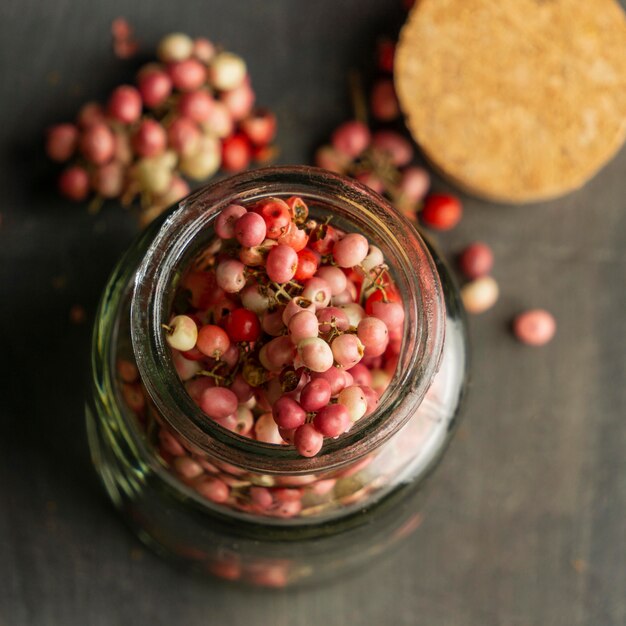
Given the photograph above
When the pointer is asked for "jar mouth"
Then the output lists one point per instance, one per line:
(415, 274)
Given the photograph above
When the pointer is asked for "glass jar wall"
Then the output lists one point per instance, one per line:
(279, 518)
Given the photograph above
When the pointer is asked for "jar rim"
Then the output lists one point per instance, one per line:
(422, 342)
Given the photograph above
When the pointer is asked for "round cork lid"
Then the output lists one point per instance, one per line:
(515, 100)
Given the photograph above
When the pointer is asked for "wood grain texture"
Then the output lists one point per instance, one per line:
(524, 523)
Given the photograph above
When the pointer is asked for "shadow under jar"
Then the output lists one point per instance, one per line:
(359, 495)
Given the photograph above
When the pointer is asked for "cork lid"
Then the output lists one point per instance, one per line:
(515, 100)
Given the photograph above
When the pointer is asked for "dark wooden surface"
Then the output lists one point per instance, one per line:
(526, 519)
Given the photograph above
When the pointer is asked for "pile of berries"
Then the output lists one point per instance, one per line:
(286, 329)
(189, 114)
(381, 155)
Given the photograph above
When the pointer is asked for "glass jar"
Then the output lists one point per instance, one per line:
(153, 446)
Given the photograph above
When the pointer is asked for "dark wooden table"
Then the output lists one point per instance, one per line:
(526, 518)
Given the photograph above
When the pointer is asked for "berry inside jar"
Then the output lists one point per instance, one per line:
(286, 329)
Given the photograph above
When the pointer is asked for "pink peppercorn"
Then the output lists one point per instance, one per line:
(535, 327)
(476, 260)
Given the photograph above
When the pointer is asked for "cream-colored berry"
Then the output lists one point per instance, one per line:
(182, 333)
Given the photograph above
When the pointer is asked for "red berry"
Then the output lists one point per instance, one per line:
(385, 55)
(242, 325)
(260, 127)
(125, 104)
(323, 239)
(236, 153)
(212, 341)
(277, 216)
(383, 101)
(307, 264)
(441, 211)
(74, 183)
(390, 294)
(476, 260)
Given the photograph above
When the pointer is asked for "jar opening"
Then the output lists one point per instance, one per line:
(189, 227)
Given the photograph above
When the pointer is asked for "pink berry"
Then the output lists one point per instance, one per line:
(347, 350)
(196, 105)
(250, 230)
(351, 138)
(108, 180)
(218, 402)
(219, 121)
(230, 275)
(372, 399)
(332, 420)
(90, 113)
(383, 101)
(187, 75)
(303, 325)
(266, 429)
(97, 144)
(288, 413)
(155, 86)
(315, 395)
(239, 101)
(476, 260)
(361, 375)
(294, 306)
(277, 353)
(331, 318)
(318, 291)
(535, 327)
(353, 398)
(74, 183)
(183, 136)
(414, 183)
(316, 354)
(394, 145)
(374, 335)
(308, 440)
(332, 160)
(272, 322)
(371, 180)
(61, 142)
(203, 49)
(335, 278)
(213, 489)
(150, 139)
(350, 250)
(125, 104)
(335, 378)
(392, 313)
(226, 220)
(281, 263)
